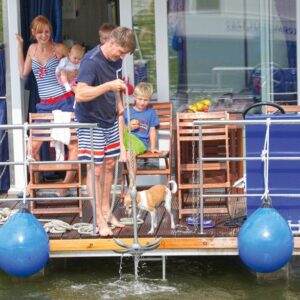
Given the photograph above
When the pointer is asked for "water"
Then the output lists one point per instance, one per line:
(187, 278)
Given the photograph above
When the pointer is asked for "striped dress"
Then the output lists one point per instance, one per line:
(45, 76)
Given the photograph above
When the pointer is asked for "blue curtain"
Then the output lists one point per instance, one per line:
(4, 170)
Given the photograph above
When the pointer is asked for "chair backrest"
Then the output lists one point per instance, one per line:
(187, 132)
(215, 138)
(44, 134)
(165, 115)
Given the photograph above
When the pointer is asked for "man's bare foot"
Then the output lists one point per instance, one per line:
(105, 231)
(114, 221)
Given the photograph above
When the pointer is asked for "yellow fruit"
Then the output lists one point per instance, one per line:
(199, 106)
(206, 102)
(192, 108)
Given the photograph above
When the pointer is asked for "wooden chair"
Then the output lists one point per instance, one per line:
(216, 174)
(164, 157)
(55, 206)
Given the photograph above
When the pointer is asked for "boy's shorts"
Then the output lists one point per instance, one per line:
(137, 145)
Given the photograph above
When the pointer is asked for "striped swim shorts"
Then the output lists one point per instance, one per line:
(106, 143)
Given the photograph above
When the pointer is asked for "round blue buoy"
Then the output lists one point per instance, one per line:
(265, 241)
(24, 245)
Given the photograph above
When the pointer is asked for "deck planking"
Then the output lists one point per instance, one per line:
(221, 239)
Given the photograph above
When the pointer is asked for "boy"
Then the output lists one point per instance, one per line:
(68, 67)
(143, 123)
(104, 32)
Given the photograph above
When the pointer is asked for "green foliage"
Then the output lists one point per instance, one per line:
(145, 32)
(144, 25)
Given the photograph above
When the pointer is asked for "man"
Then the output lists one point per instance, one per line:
(96, 93)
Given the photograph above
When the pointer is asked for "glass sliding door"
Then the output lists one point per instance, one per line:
(283, 52)
(242, 48)
(144, 28)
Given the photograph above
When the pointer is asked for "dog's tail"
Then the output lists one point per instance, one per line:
(173, 186)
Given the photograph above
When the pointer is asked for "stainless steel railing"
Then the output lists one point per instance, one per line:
(202, 123)
(26, 162)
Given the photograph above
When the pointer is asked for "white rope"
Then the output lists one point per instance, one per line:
(83, 228)
(51, 225)
(129, 221)
(5, 213)
(265, 158)
(57, 226)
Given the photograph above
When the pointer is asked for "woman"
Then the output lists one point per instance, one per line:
(42, 58)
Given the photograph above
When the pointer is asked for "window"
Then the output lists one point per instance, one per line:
(243, 47)
(144, 28)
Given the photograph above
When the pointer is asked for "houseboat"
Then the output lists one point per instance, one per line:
(208, 61)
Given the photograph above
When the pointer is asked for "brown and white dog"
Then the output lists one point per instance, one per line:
(150, 199)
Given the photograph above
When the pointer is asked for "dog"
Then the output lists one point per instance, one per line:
(150, 199)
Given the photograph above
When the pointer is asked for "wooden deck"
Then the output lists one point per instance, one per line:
(183, 241)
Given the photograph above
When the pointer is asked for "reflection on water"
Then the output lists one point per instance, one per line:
(187, 278)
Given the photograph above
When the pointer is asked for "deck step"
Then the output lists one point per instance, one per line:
(56, 210)
(206, 167)
(54, 167)
(55, 185)
(188, 186)
(207, 210)
(146, 172)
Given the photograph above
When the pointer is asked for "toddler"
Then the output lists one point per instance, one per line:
(68, 67)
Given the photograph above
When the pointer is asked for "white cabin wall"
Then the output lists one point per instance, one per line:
(14, 91)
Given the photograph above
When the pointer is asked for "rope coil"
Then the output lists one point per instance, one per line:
(5, 213)
(57, 226)
(83, 228)
(129, 221)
